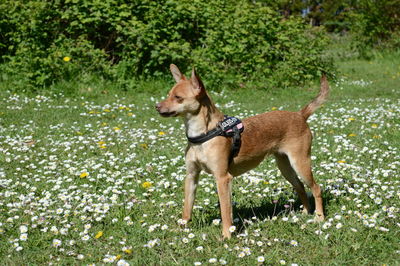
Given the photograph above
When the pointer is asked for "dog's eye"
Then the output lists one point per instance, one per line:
(179, 98)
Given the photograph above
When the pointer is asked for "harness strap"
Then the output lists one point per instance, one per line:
(236, 143)
(229, 127)
(206, 136)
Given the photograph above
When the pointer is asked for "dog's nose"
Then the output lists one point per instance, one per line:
(158, 106)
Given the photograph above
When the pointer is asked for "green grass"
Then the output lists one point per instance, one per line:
(119, 140)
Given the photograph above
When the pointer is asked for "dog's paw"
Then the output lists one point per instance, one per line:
(182, 223)
(319, 217)
(225, 237)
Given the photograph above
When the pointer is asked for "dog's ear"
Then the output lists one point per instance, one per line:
(197, 83)
(176, 73)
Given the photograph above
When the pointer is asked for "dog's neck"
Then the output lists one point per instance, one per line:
(204, 120)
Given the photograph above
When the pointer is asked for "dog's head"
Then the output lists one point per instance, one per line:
(184, 97)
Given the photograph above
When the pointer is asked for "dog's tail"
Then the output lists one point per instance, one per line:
(320, 99)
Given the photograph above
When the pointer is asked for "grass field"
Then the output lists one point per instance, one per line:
(96, 178)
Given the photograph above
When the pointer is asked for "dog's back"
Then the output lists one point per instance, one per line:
(269, 133)
(276, 132)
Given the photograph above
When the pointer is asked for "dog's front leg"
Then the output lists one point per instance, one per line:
(224, 185)
(191, 181)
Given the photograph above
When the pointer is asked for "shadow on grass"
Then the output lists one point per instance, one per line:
(279, 207)
(266, 210)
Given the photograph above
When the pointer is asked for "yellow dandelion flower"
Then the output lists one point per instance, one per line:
(130, 114)
(101, 142)
(144, 146)
(352, 135)
(67, 58)
(274, 108)
(146, 185)
(103, 124)
(107, 110)
(342, 161)
(118, 257)
(351, 119)
(266, 182)
(161, 133)
(99, 234)
(83, 175)
(102, 146)
(377, 137)
(128, 251)
(116, 128)
(374, 125)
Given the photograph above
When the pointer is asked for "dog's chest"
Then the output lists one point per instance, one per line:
(198, 155)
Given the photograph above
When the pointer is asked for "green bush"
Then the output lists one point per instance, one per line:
(376, 23)
(243, 42)
(231, 41)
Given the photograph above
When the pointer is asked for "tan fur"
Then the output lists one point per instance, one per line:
(283, 134)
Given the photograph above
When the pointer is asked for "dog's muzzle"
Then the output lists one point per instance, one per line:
(163, 112)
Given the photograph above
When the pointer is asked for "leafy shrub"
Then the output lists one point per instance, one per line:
(373, 23)
(246, 42)
(232, 41)
(376, 24)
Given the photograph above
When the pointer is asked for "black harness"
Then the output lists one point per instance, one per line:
(229, 127)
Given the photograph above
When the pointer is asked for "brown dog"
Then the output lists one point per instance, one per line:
(284, 134)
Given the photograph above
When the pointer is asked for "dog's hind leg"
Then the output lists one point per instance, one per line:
(301, 163)
(289, 173)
